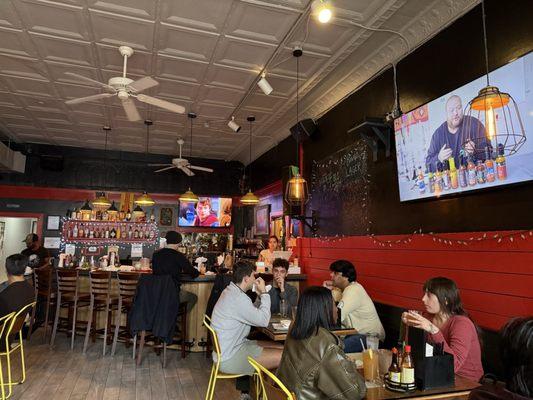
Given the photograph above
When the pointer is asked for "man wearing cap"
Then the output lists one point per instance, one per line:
(37, 255)
(170, 261)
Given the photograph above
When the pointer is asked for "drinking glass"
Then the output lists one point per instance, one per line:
(370, 365)
(283, 309)
(372, 342)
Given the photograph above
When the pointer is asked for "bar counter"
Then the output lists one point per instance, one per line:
(201, 287)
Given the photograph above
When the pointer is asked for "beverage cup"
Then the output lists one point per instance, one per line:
(370, 365)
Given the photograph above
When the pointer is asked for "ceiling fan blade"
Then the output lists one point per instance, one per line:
(167, 105)
(165, 169)
(187, 170)
(200, 168)
(89, 80)
(161, 165)
(89, 98)
(142, 84)
(131, 110)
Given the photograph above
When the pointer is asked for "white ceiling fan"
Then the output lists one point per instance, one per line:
(181, 163)
(125, 88)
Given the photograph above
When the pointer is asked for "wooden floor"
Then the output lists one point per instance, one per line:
(62, 374)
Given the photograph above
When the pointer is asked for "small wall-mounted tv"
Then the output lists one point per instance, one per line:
(433, 159)
(211, 212)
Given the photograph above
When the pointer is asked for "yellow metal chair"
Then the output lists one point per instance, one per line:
(272, 389)
(14, 329)
(215, 373)
(4, 324)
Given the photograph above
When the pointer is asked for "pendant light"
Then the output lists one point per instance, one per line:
(86, 211)
(250, 199)
(189, 195)
(144, 199)
(101, 202)
(113, 210)
(296, 191)
(503, 128)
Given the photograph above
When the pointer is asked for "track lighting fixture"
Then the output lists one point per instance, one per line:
(264, 85)
(233, 125)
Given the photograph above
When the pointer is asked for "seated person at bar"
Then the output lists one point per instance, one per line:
(18, 293)
(280, 289)
(356, 307)
(170, 261)
(267, 255)
(37, 255)
(449, 324)
(234, 315)
(516, 348)
(314, 365)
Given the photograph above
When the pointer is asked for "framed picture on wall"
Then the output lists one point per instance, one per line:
(262, 220)
(166, 216)
(53, 223)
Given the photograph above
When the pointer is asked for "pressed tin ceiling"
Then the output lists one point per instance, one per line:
(206, 56)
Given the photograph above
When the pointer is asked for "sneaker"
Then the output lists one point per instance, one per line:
(245, 396)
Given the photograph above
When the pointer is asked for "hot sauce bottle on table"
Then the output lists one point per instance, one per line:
(454, 182)
(446, 175)
(500, 163)
(489, 166)
(395, 372)
(463, 181)
(471, 172)
(408, 368)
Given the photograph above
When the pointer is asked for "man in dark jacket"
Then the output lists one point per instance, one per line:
(18, 293)
(169, 261)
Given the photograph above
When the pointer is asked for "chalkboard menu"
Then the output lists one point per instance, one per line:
(339, 191)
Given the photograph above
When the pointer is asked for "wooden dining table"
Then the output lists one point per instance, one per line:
(280, 335)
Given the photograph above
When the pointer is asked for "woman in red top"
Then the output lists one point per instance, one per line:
(449, 324)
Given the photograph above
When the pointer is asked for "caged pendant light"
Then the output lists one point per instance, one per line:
(144, 199)
(296, 191)
(498, 113)
(250, 199)
(189, 195)
(101, 202)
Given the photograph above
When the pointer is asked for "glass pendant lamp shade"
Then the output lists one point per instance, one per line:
(296, 191)
(189, 197)
(144, 200)
(250, 199)
(101, 202)
(137, 213)
(113, 209)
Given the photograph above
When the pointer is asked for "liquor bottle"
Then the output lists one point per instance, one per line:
(75, 231)
(408, 368)
(123, 233)
(121, 215)
(480, 172)
(141, 233)
(130, 233)
(105, 216)
(69, 232)
(420, 181)
(471, 167)
(489, 166)
(73, 214)
(106, 234)
(86, 232)
(91, 233)
(136, 234)
(395, 372)
(97, 233)
(78, 214)
(128, 215)
(118, 231)
(80, 231)
(438, 178)
(454, 181)
(463, 181)
(152, 234)
(113, 233)
(446, 175)
(500, 163)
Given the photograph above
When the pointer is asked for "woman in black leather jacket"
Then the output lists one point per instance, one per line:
(314, 365)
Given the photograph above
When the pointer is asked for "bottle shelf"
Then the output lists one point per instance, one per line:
(149, 230)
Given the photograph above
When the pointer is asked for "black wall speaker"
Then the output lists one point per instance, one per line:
(303, 130)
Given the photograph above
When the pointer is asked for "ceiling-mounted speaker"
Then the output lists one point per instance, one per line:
(304, 129)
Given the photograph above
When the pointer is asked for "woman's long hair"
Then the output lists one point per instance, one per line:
(315, 310)
(517, 355)
(447, 293)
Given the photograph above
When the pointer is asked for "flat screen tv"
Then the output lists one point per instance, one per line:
(441, 150)
(211, 212)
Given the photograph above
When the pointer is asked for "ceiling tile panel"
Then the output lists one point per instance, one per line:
(176, 90)
(9, 100)
(64, 50)
(31, 87)
(139, 63)
(15, 41)
(208, 15)
(214, 112)
(243, 53)
(187, 43)
(70, 91)
(8, 15)
(87, 111)
(23, 67)
(309, 64)
(222, 96)
(180, 69)
(235, 78)
(135, 8)
(41, 104)
(58, 69)
(53, 18)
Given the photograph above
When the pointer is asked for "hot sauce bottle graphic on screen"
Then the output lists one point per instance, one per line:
(500, 164)
(438, 178)
(489, 166)
(420, 181)
(446, 175)
(471, 172)
(480, 172)
(454, 182)
(431, 180)
(463, 181)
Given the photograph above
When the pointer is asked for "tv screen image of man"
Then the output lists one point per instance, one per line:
(458, 132)
(205, 215)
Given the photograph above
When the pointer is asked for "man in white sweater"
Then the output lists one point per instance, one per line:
(356, 307)
(234, 315)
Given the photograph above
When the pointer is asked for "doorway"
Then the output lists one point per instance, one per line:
(13, 231)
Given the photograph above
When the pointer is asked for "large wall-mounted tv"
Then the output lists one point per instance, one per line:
(441, 150)
(212, 212)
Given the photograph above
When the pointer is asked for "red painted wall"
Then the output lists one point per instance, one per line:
(495, 279)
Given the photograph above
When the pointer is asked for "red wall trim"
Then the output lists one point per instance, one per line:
(495, 279)
(275, 188)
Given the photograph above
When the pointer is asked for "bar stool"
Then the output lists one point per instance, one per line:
(127, 287)
(101, 300)
(68, 296)
(43, 290)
